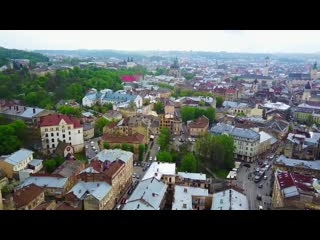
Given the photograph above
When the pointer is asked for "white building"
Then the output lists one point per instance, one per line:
(150, 194)
(246, 141)
(162, 171)
(189, 198)
(229, 200)
(59, 127)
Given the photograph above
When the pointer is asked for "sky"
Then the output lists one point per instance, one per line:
(250, 41)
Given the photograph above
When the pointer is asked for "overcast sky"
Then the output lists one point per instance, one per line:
(262, 41)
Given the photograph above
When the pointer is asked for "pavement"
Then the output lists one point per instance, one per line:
(252, 189)
(90, 151)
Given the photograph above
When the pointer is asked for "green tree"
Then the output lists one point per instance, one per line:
(219, 101)
(202, 103)
(125, 147)
(164, 156)
(116, 146)
(75, 91)
(65, 109)
(100, 123)
(131, 148)
(189, 163)
(164, 138)
(106, 145)
(11, 136)
(141, 151)
(59, 160)
(50, 165)
(159, 107)
(241, 114)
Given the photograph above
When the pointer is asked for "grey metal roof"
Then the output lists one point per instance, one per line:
(18, 156)
(193, 176)
(221, 128)
(45, 181)
(89, 170)
(151, 191)
(114, 154)
(298, 163)
(229, 200)
(232, 104)
(290, 191)
(28, 113)
(35, 162)
(97, 189)
(183, 196)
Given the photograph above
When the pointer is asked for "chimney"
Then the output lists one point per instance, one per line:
(34, 110)
(185, 190)
(24, 108)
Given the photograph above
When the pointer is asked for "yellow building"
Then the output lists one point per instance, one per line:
(28, 197)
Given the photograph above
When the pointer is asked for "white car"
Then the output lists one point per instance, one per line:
(150, 158)
(155, 158)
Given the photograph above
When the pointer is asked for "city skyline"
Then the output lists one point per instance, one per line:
(246, 41)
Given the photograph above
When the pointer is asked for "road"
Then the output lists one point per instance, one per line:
(92, 149)
(252, 189)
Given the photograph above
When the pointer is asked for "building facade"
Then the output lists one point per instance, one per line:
(59, 127)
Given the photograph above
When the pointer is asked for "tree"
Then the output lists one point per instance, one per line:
(189, 163)
(65, 109)
(219, 102)
(164, 138)
(241, 114)
(125, 146)
(131, 148)
(59, 160)
(106, 145)
(100, 123)
(75, 91)
(215, 151)
(164, 156)
(132, 105)
(202, 103)
(159, 107)
(50, 165)
(116, 146)
(141, 151)
(309, 121)
(11, 136)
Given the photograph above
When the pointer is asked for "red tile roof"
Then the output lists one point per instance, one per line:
(201, 122)
(27, 194)
(135, 138)
(231, 91)
(54, 120)
(301, 181)
(113, 168)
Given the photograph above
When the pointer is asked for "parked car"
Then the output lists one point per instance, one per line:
(135, 164)
(118, 207)
(150, 158)
(259, 197)
(247, 165)
(265, 177)
(123, 200)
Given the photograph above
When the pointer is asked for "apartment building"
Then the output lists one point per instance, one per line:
(59, 127)
(246, 140)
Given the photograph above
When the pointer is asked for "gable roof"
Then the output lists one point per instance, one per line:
(55, 119)
(25, 195)
(18, 156)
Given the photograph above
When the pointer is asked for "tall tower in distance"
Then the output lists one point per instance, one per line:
(314, 72)
(265, 71)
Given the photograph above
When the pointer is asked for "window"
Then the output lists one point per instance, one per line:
(57, 134)
(46, 134)
(69, 133)
(48, 146)
(51, 129)
(52, 140)
(57, 129)
(246, 148)
(47, 141)
(51, 134)
(69, 138)
(63, 135)
(78, 131)
(52, 145)
(69, 128)
(63, 131)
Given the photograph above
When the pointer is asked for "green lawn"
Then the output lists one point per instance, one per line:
(222, 173)
(81, 156)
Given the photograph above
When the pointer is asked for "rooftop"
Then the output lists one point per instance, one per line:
(264, 136)
(45, 181)
(55, 119)
(157, 169)
(201, 122)
(183, 196)
(25, 195)
(149, 191)
(97, 189)
(113, 155)
(229, 200)
(298, 163)
(192, 176)
(222, 128)
(116, 138)
(18, 156)
(277, 105)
